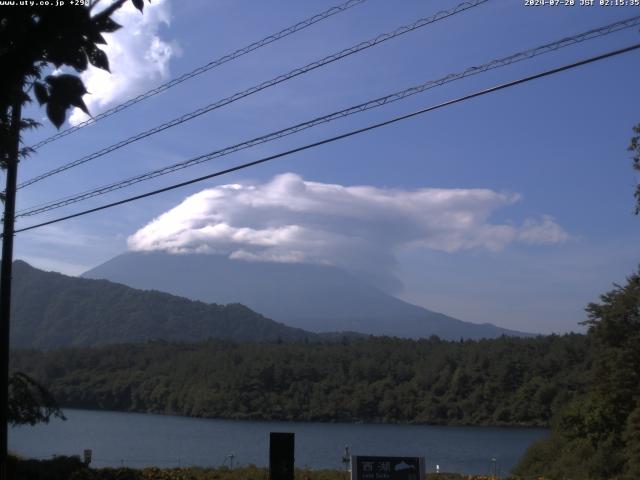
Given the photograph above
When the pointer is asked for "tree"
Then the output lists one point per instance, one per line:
(615, 325)
(598, 435)
(30, 402)
(632, 443)
(33, 39)
(634, 147)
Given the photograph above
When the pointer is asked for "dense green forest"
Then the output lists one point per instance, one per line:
(597, 434)
(505, 381)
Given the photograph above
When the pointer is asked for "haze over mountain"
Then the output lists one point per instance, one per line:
(317, 298)
(52, 310)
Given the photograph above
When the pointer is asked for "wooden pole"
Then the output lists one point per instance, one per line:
(6, 267)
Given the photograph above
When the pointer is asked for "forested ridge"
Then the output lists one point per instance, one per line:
(52, 310)
(505, 381)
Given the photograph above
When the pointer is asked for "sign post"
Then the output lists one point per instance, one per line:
(281, 456)
(387, 468)
(87, 454)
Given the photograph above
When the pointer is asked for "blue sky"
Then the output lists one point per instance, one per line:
(557, 230)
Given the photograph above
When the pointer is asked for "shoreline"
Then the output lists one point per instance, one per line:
(313, 422)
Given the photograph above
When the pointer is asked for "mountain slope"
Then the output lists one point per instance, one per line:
(316, 298)
(53, 310)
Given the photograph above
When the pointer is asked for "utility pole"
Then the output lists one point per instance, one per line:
(12, 150)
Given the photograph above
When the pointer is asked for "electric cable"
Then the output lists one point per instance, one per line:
(351, 133)
(378, 102)
(443, 14)
(204, 68)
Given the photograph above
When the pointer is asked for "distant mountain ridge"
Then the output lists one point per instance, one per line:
(52, 310)
(316, 298)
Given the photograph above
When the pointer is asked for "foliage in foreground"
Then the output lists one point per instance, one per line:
(634, 148)
(30, 402)
(71, 468)
(597, 435)
(505, 381)
(39, 36)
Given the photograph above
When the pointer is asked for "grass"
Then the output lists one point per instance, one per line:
(71, 468)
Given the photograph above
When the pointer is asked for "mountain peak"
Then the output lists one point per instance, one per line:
(317, 298)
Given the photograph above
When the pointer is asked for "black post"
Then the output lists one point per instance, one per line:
(281, 456)
(5, 278)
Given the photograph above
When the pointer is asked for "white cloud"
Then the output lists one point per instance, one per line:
(356, 227)
(138, 58)
(545, 231)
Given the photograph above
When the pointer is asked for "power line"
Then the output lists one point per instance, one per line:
(523, 55)
(342, 136)
(205, 68)
(257, 88)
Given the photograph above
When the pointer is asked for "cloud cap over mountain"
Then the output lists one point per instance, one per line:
(359, 228)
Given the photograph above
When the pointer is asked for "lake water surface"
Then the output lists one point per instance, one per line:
(137, 440)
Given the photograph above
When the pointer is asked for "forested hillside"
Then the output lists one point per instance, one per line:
(505, 381)
(52, 310)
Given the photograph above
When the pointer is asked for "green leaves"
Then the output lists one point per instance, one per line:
(634, 147)
(106, 24)
(41, 92)
(99, 59)
(139, 4)
(63, 92)
(30, 402)
(39, 37)
(65, 87)
(56, 114)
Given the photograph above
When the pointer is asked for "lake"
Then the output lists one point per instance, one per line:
(136, 440)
